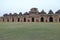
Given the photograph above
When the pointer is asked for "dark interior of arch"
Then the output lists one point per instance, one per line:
(18, 19)
(59, 19)
(3, 19)
(12, 19)
(32, 19)
(24, 19)
(42, 19)
(51, 19)
(7, 20)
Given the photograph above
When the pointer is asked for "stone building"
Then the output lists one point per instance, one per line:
(32, 16)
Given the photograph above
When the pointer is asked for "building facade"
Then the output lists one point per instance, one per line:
(32, 16)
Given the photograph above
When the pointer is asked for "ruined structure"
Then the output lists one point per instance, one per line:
(32, 16)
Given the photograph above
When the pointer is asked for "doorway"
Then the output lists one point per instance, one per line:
(42, 19)
(51, 19)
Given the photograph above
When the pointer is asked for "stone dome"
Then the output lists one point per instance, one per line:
(50, 12)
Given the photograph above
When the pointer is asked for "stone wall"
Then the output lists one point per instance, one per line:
(32, 16)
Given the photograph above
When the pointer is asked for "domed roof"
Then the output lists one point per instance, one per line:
(58, 12)
(26, 13)
(10, 14)
(15, 14)
(20, 13)
(50, 12)
(43, 12)
(5, 14)
(34, 10)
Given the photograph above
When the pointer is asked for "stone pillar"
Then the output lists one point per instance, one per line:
(10, 19)
(47, 19)
(30, 19)
(1, 19)
(34, 19)
(54, 19)
(44, 19)
(22, 19)
(5, 19)
(15, 19)
(26, 19)
(40, 19)
(58, 20)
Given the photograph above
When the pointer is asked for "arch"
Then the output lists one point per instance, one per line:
(59, 19)
(18, 20)
(32, 19)
(42, 19)
(3, 19)
(7, 20)
(51, 19)
(24, 19)
(12, 19)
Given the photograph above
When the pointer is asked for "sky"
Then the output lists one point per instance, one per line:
(12, 6)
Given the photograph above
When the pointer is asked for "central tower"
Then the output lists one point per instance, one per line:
(34, 11)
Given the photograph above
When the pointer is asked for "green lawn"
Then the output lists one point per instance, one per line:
(29, 31)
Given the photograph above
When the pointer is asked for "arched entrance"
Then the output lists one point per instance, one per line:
(12, 19)
(18, 19)
(3, 19)
(7, 20)
(51, 19)
(24, 19)
(59, 19)
(32, 19)
(42, 19)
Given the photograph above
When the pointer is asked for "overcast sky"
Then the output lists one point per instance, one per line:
(7, 6)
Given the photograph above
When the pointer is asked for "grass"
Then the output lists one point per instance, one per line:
(29, 31)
